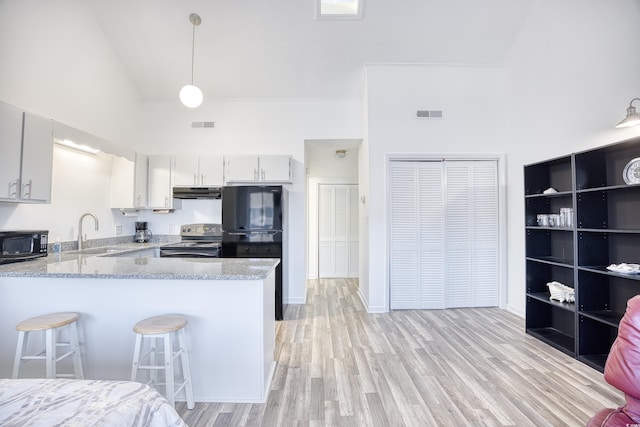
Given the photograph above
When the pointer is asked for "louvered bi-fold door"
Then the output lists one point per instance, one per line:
(459, 226)
(486, 254)
(444, 234)
(417, 261)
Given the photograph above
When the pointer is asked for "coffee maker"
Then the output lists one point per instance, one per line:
(143, 234)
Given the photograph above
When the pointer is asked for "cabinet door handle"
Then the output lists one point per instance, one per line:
(13, 193)
(166, 201)
(262, 175)
(202, 178)
(26, 194)
(255, 174)
(138, 200)
(195, 179)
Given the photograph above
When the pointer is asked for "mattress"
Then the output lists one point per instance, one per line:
(83, 403)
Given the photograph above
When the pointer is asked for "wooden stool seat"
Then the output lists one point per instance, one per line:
(50, 325)
(164, 327)
(47, 321)
(160, 324)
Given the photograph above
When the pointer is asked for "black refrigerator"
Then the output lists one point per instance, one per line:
(252, 227)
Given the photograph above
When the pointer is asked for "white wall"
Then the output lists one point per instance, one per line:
(473, 103)
(254, 127)
(56, 62)
(570, 77)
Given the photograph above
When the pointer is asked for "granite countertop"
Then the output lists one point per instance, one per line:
(120, 262)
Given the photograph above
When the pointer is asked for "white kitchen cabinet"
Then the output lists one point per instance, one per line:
(160, 186)
(198, 171)
(26, 156)
(141, 181)
(10, 148)
(129, 182)
(37, 159)
(264, 169)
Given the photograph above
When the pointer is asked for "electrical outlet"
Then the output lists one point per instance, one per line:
(118, 230)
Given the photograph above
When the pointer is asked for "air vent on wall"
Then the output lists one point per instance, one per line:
(429, 114)
(201, 125)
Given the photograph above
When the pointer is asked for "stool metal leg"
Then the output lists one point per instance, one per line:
(186, 370)
(75, 347)
(20, 350)
(168, 364)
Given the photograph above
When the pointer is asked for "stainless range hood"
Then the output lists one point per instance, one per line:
(197, 192)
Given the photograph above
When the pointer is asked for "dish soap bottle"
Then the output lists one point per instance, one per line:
(57, 247)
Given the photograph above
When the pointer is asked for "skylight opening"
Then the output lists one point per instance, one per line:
(338, 9)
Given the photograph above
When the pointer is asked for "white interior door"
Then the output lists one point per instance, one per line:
(337, 232)
(443, 234)
(417, 235)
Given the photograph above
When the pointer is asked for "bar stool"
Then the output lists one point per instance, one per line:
(162, 327)
(50, 324)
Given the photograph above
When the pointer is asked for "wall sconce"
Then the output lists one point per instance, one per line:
(341, 154)
(632, 119)
(191, 95)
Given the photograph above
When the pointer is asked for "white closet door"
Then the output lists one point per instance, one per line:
(443, 234)
(485, 234)
(431, 259)
(459, 229)
(404, 282)
(326, 259)
(338, 230)
(354, 232)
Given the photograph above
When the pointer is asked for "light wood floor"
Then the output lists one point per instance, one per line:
(338, 365)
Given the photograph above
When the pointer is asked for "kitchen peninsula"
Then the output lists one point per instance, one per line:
(229, 303)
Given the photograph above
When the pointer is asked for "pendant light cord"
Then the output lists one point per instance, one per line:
(193, 48)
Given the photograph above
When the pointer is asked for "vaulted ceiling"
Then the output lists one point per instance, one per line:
(277, 48)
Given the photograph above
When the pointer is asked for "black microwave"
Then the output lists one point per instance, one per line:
(22, 245)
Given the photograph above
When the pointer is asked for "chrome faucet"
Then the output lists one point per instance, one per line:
(80, 237)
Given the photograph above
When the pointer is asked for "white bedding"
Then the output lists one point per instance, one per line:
(83, 403)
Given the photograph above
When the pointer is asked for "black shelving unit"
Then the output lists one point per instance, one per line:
(606, 230)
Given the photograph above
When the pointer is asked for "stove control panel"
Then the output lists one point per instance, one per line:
(194, 230)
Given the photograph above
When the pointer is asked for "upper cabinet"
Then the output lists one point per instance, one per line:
(263, 169)
(11, 146)
(160, 185)
(194, 171)
(37, 159)
(129, 182)
(26, 156)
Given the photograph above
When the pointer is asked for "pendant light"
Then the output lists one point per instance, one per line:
(632, 118)
(190, 95)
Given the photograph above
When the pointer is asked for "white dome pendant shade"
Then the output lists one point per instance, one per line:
(190, 95)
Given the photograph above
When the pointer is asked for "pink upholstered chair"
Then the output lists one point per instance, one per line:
(622, 370)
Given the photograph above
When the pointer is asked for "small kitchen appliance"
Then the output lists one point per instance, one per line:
(22, 245)
(197, 241)
(143, 234)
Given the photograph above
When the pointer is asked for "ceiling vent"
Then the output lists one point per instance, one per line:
(201, 125)
(429, 114)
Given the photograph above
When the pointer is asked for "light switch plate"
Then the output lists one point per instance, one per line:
(118, 230)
